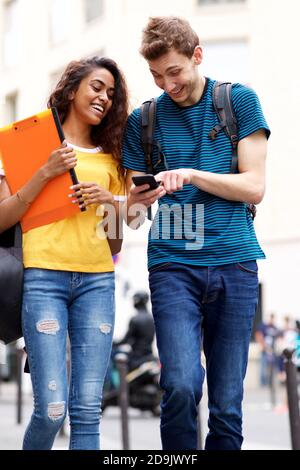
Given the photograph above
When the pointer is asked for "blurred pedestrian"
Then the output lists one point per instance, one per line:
(140, 333)
(267, 336)
(287, 340)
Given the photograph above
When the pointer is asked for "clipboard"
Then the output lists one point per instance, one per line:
(24, 147)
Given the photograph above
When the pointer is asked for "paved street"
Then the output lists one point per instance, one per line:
(264, 427)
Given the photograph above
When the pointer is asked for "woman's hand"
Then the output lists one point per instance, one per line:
(90, 193)
(60, 161)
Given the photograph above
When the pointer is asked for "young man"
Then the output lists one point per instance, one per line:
(204, 290)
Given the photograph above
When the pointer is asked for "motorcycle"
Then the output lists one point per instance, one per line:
(144, 392)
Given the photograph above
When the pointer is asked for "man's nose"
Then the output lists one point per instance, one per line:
(169, 86)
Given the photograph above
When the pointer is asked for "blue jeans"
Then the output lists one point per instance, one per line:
(214, 306)
(56, 303)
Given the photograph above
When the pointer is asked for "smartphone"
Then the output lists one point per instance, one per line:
(146, 179)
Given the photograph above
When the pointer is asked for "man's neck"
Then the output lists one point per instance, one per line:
(198, 92)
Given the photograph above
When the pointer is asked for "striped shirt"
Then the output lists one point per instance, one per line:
(192, 226)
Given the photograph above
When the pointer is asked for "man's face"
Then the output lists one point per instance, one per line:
(177, 75)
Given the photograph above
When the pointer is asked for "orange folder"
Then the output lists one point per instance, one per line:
(24, 147)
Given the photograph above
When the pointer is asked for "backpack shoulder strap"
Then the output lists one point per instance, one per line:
(148, 117)
(222, 101)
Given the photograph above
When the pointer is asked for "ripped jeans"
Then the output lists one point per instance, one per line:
(56, 303)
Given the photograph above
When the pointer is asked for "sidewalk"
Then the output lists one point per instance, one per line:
(265, 428)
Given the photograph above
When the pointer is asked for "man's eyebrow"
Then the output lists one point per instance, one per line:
(172, 67)
(101, 83)
(168, 69)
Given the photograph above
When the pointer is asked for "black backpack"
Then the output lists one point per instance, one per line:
(11, 284)
(222, 102)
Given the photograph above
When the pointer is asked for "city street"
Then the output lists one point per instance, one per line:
(265, 428)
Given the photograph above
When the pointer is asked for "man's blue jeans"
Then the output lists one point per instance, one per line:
(215, 305)
(57, 303)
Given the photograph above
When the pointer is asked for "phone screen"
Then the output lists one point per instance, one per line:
(146, 179)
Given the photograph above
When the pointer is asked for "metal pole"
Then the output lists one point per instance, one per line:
(293, 399)
(272, 379)
(19, 385)
(122, 366)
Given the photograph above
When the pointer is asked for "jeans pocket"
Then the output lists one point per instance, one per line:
(248, 267)
(159, 267)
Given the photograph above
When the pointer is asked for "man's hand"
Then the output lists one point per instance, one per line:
(175, 179)
(147, 198)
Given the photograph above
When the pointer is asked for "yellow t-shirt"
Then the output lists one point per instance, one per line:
(74, 244)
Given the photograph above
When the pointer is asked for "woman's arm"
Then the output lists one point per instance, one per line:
(14, 206)
(89, 193)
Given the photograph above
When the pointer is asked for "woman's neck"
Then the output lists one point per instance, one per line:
(77, 133)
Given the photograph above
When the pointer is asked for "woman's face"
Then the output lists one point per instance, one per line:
(93, 98)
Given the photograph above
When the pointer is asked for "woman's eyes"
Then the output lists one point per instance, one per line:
(97, 90)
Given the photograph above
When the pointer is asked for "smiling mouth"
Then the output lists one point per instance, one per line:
(176, 93)
(98, 108)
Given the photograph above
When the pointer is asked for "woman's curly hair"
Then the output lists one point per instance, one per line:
(109, 133)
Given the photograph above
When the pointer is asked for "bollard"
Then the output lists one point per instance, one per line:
(293, 399)
(122, 366)
(272, 383)
(271, 378)
(19, 353)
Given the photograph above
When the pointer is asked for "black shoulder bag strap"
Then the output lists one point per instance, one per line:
(222, 101)
(148, 118)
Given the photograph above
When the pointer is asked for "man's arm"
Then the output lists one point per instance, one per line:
(246, 186)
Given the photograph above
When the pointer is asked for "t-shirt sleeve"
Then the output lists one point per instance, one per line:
(132, 153)
(117, 184)
(248, 111)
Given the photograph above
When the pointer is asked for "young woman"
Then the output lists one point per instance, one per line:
(69, 275)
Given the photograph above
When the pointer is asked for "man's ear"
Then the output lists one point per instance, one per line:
(198, 55)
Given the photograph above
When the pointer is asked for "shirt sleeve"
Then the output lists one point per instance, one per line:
(133, 157)
(248, 111)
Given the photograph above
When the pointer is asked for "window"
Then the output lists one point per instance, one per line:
(98, 53)
(211, 2)
(59, 20)
(54, 79)
(93, 9)
(11, 108)
(11, 33)
(228, 60)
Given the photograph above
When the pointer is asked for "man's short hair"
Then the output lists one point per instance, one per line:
(163, 33)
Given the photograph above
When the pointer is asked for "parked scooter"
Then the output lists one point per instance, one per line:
(144, 392)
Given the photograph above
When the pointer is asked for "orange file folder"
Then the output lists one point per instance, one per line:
(24, 147)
